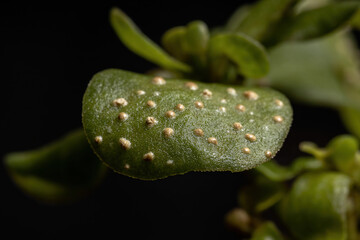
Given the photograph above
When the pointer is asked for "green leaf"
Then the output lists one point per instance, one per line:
(236, 18)
(197, 37)
(136, 41)
(263, 17)
(184, 149)
(248, 55)
(267, 231)
(261, 194)
(275, 172)
(315, 208)
(174, 41)
(312, 149)
(317, 82)
(278, 173)
(342, 152)
(61, 172)
(351, 119)
(317, 22)
(302, 164)
(355, 21)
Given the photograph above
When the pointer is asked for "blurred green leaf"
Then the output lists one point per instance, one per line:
(351, 119)
(315, 208)
(61, 172)
(236, 18)
(302, 164)
(275, 172)
(342, 152)
(278, 173)
(312, 149)
(316, 22)
(355, 21)
(267, 231)
(197, 37)
(174, 41)
(136, 41)
(249, 55)
(313, 72)
(262, 17)
(261, 194)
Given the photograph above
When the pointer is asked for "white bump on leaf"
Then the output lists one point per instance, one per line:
(151, 121)
(120, 102)
(251, 95)
(123, 116)
(278, 119)
(158, 81)
(199, 105)
(212, 140)
(125, 144)
(98, 139)
(149, 156)
(191, 86)
(231, 91)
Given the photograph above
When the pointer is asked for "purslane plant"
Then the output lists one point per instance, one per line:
(218, 102)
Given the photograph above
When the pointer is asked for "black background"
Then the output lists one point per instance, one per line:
(50, 52)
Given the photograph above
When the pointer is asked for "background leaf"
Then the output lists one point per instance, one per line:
(351, 119)
(322, 79)
(136, 41)
(267, 231)
(61, 172)
(316, 22)
(248, 55)
(316, 206)
(262, 17)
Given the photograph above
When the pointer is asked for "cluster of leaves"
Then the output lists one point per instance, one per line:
(302, 48)
(316, 197)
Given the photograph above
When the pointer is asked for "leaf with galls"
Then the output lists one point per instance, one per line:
(184, 128)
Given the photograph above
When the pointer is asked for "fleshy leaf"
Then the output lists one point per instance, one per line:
(317, 22)
(342, 152)
(320, 80)
(197, 37)
(351, 119)
(174, 41)
(263, 16)
(278, 173)
(248, 55)
(236, 18)
(315, 208)
(61, 172)
(275, 172)
(267, 231)
(153, 128)
(136, 41)
(261, 194)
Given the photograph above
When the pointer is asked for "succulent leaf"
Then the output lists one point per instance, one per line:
(316, 206)
(174, 41)
(267, 231)
(351, 119)
(317, 22)
(263, 16)
(136, 41)
(279, 173)
(261, 194)
(249, 55)
(317, 81)
(63, 171)
(153, 128)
